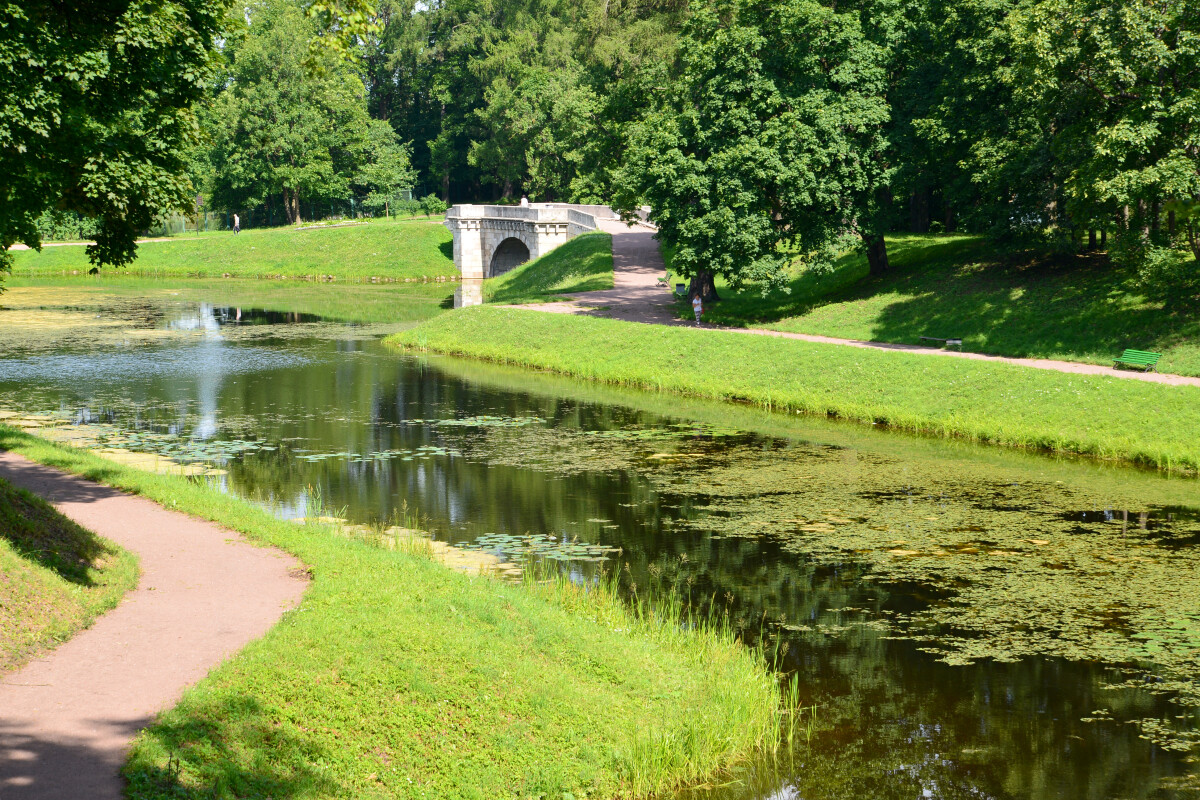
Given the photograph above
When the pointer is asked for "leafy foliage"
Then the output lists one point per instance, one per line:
(95, 114)
(281, 130)
(769, 142)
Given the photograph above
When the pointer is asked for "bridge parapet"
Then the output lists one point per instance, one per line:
(490, 240)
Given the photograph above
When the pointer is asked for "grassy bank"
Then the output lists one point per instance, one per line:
(397, 677)
(55, 577)
(584, 264)
(114, 296)
(1110, 418)
(381, 249)
(999, 302)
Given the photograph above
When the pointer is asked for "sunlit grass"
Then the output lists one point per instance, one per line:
(999, 301)
(55, 577)
(388, 250)
(584, 264)
(1001, 404)
(397, 677)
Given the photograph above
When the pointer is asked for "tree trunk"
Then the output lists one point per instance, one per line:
(877, 256)
(1193, 239)
(703, 284)
(1103, 239)
(1091, 239)
(292, 199)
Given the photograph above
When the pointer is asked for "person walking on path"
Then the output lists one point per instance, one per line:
(524, 201)
(237, 224)
(698, 307)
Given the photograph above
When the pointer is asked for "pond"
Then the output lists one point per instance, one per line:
(964, 621)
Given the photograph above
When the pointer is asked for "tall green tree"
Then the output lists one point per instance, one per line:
(96, 114)
(508, 96)
(280, 130)
(1117, 87)
(768, 144)
(388, 171)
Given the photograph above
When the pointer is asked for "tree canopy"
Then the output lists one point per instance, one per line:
(762, 134)
(281, 131)
(96, 113)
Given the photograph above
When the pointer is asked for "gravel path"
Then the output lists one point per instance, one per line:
(638, 296)
(66, 720)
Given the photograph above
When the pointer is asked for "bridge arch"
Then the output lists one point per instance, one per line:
(509, 254)
(490, 240)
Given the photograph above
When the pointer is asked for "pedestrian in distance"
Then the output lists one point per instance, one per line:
(524, 201)
(237, 224)
(698, 307)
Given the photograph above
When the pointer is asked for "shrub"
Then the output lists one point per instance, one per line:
(59, 226)
(432, 204)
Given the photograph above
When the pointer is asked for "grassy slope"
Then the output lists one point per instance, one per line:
(998, 403)
(583, 264)
(403, 249)
(55, 577)
(1003, 304)
(400, 678)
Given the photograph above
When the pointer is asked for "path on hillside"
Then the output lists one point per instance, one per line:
(66, 720)
(638, 296)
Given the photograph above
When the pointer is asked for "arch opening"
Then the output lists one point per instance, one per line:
(510, 253)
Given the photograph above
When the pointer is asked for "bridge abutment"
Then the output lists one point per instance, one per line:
(482, 234)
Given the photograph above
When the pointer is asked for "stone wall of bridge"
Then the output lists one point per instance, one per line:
(490, 240)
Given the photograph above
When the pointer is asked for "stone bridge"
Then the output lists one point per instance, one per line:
(491, 240)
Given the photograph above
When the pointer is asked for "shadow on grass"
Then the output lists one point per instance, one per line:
(40, 534)
(447, 249)
(583, 264)
(1013, 303)
(187, 754)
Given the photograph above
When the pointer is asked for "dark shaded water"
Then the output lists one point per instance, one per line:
(966, 622)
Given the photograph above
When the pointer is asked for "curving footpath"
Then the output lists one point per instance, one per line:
(638, 296)
(66, 720)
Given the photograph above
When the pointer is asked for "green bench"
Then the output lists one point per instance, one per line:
(1139, 359)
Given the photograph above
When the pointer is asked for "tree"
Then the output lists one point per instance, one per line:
(1117, 87)
(280, 129)
(96, 114)
(388, 172)
(768, 144)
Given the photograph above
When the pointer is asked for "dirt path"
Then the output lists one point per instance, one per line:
(66, 720)
(638, 296)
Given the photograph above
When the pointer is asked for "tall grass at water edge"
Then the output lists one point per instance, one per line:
(672, 756)
(1103, 417)
(397, 677)
(657, 757)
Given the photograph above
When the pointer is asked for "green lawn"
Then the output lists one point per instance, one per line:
(55, 577)
(584, 264)
(397, 677)
(1112, 418)
(416, 248)
(1012, 304)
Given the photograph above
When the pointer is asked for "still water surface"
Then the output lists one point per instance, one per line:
(966, 622)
